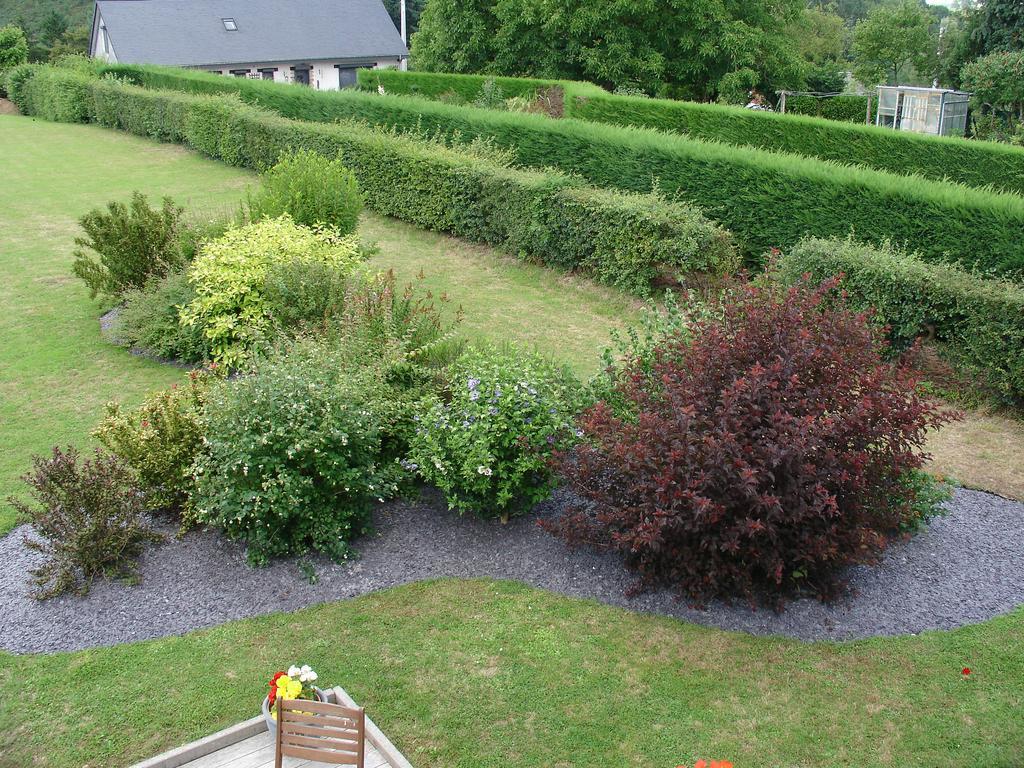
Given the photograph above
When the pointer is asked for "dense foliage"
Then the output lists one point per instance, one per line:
(939, 158)
(536, 215)
(996, 82)
(58, 95)
(768, 451)
(893, 37)
(292, 454)
(612, 42)
(487, 443)
(159, 441)
(13, 47)
(132, 244)
(87, 520)
(229, 273)
(978, 323)
(149, 319)
(310, 188)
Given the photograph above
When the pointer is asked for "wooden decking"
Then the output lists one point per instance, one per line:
(250, 745)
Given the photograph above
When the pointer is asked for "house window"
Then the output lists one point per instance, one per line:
(230, 25)
(267, 74)
(240, 72)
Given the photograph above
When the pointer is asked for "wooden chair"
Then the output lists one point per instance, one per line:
(325, 733)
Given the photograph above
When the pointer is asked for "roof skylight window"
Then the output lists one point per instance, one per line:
(230, 25)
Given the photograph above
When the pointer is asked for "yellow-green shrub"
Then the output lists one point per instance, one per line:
(229, 273)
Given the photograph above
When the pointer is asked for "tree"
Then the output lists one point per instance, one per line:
(999, 27)
(74, 42)
(13, 47)
(891, 38)
(996, 82)
(819, 36)
(53, 28)
(678, 47)
(455, 36)
(413, 11)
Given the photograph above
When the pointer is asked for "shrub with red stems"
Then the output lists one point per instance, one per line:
(761, 452)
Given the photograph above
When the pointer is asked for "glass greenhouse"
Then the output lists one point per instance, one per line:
(938, 111)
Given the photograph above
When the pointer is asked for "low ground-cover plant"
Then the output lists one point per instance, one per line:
(159, 441)
(88, 520)
(978, 323)
(312, 189)
(127, 245)
(149, 319)
(487, 443)
(292, 453)
(768, 450)
(229, 274)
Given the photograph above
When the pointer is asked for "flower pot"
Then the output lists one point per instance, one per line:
(271, 722)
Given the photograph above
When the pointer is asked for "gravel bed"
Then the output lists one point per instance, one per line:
(966, 567)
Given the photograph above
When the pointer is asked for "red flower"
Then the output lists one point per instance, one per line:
(965, 671)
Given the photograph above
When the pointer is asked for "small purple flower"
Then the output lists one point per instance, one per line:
(472, 384)
(474, 395)
(551, 439)
(493, 411)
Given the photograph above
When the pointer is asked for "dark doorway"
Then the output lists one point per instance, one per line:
(301, 75)
(267, 74)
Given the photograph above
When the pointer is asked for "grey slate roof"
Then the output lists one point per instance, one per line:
(191, 33)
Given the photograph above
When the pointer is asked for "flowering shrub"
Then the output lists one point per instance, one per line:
(487, 446)
(229, 273)
(88, 520)
(159, 440)
(292, 454)
(296, 683)
(767, 452)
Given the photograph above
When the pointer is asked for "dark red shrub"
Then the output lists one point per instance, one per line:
(764, 452)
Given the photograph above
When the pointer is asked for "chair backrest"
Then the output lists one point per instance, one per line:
(325, 733)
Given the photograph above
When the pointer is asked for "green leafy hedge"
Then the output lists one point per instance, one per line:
(467, 87)
(53, 94)
(766, 199)
(979, 323)
(973, 163)
(628, 240)
(968, 162)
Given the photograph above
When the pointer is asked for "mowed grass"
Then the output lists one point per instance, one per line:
(56, 372)
(487, 674)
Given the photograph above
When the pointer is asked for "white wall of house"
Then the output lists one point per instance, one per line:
(323, 75)
(101, 43)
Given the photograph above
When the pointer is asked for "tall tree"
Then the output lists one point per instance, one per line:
(53, 28)
(891, 38)
(999, 27)
(455, 36)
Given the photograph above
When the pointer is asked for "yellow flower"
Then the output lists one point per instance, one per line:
(282, 682)
(294, 689)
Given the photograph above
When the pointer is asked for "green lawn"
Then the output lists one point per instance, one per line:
(55, 370)
(480, 673)
(470, 673)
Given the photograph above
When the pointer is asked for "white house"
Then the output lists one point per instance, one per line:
(320, 43)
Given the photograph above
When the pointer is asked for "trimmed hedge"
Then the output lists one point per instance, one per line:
(766, 199)
(467, 87)
(846, 107)
(628, 240)
(973, 163)
(980, 323)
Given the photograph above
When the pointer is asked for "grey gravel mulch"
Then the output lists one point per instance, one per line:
(965, 567)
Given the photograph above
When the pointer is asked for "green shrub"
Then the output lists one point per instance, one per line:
(978, 323)
(159, 441)
(149, 320)
(766, 199)
(15, 80)
(301, 296)
(292, 459)
(134, 243)
(13, 51)
(488, 444)
(88, 520)
(466, 88)
(60, 95)
(310, 188)
(467, 192)
(228, 277)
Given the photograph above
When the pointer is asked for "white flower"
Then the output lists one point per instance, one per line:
(311, 676)
(305, 669)
(484, 471)
(293, 671)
